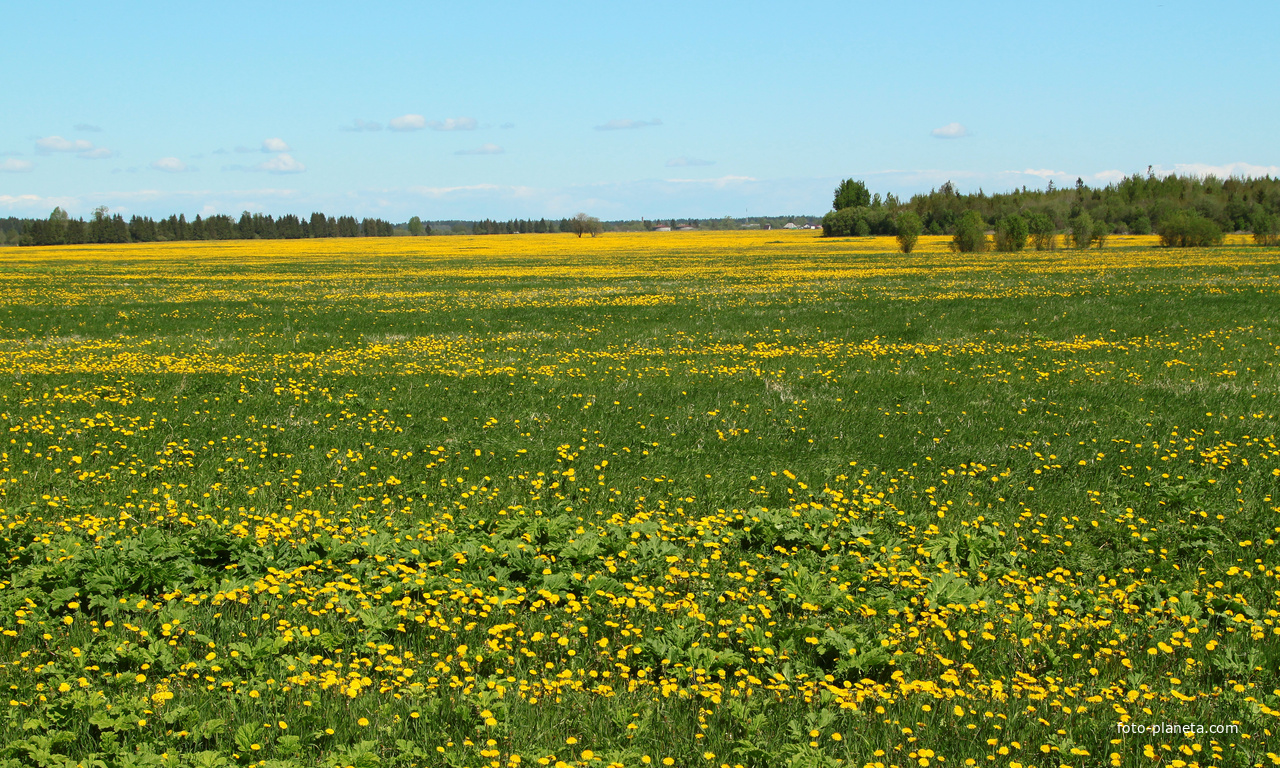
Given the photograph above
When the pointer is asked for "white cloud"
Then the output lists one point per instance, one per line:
(408, 123)
(1109, 177)
(622, 125)
(687, 162)
(471, 190)
(1044, 173)
(97, 153)
(719, 183)
(483, 149)
(282, 163)
(274, 145)
(11, 165)
(37, 203)
(170, 165)
(950, 131)
(86, 127)
(59, 144)
(1221, 171)
(454, 124)
(359, 125)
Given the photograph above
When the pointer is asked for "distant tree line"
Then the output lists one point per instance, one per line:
(1183, 210)
(61, 229)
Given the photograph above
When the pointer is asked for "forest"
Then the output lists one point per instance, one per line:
(1137, 205)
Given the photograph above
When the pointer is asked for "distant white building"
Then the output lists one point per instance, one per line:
(662, 228)
(790, 225)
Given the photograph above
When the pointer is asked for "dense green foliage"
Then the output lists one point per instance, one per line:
(970, 234)
(1188, 229)
(61, 229)
(851, 194)
(909, 228)
(1011, 234)
(1135, 205)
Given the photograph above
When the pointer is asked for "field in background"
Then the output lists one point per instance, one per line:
(692, 499)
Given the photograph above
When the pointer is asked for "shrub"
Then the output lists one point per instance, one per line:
(1043, 233)
(1266, 230)
(838, 223)
(1101, 231)
(970, 235)
(1187, 229)
(1011, 233)
(1082, 230)
(909, 227)
(861, 228)
(1141, 225)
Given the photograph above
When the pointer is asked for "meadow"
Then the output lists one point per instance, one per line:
(691, 499)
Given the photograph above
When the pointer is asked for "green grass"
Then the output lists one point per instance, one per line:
(881, 451)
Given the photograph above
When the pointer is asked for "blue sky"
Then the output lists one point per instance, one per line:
(503, 110)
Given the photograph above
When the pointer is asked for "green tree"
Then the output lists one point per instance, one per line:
(1265, 228)
(582, 224)
(1011, 233)
(909, 228)
(1044, 235)
(1188, 229)
(1082, 230)
(415, 227)
(1101, 231)
(1141, 225)
(970, 235)
(851, 194)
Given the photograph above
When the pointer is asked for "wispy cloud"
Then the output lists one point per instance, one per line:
(950, 131)
(687, 162)
(170, 165)
(282, 163)
(14, 165)
(36, 202)
(483, 149)
(97, 153)
(1221, 171)
(274, 145)
(454, 124)
(59, 144)
(87, 128)
(408, 123)
(719, 183)
(1044, 173)
(359, 126)
(623, 124)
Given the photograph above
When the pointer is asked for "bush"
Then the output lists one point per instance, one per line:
(1011, 233)
(1101, 231)
(970, 235)
(909, 227)
(1187, 229)
(1266, 230)
(1082, 230)
(861, 228)
(1043, 233)
(1141, 225)
(838, 223)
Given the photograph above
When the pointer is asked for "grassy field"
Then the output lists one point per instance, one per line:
(694, 499)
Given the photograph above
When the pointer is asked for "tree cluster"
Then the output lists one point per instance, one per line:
(515, 227)
(61, 229)
(1183, 210)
